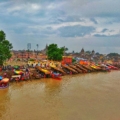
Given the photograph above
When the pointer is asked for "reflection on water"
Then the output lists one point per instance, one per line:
(93, 96)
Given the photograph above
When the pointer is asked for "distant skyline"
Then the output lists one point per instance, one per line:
(76, 24)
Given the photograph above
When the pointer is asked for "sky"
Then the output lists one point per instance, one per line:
(76, 24)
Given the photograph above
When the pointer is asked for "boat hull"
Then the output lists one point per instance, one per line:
(3, 86)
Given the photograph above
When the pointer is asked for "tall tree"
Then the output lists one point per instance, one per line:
(37, 46)
(5, 47)
(65, 49)
(54, 53)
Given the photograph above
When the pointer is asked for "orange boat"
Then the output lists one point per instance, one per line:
(4, 83)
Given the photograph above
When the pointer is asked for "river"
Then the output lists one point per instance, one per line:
(92, 96)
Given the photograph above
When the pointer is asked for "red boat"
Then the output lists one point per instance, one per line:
(112, 67)
(56, 76)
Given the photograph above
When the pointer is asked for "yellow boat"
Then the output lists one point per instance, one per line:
(58, 69)
(95, 67)
(43, 70)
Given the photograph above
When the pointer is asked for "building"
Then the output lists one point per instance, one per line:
(44, 50)
(67, 59)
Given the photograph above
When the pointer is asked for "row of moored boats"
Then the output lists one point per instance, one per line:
(20, 74)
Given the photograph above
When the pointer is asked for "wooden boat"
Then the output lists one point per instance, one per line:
(70, 69)
(77, 69)
(57, 69)
(45, 71)
(81, 68)
(87, 67)
(33, 74)
(103, 68)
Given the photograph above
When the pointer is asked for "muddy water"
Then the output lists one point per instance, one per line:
(94, 96)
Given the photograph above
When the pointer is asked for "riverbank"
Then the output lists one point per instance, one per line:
(47, 69)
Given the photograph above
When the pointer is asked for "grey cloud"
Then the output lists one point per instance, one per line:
(63, 18)
(74, 31)
(99, 35)
(93, 20)
(104, 30)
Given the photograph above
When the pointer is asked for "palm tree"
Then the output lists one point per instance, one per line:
(37, 50)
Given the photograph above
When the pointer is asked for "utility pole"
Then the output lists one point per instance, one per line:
(37, 50)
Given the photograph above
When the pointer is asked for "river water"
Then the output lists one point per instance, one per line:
(92, 96)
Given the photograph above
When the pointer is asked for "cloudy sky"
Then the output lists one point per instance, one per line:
(76, 24)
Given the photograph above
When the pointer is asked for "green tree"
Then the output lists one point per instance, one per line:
(88, 52)
(5, 47)
(54, 53)
(113, 54)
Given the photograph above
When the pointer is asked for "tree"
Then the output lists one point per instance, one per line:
(54, 53)
(5, 47)
(113, 54)
(97, 53)
(88, 52)
(65, 49)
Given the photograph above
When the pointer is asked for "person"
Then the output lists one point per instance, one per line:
(27, 73)
(26, 70)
